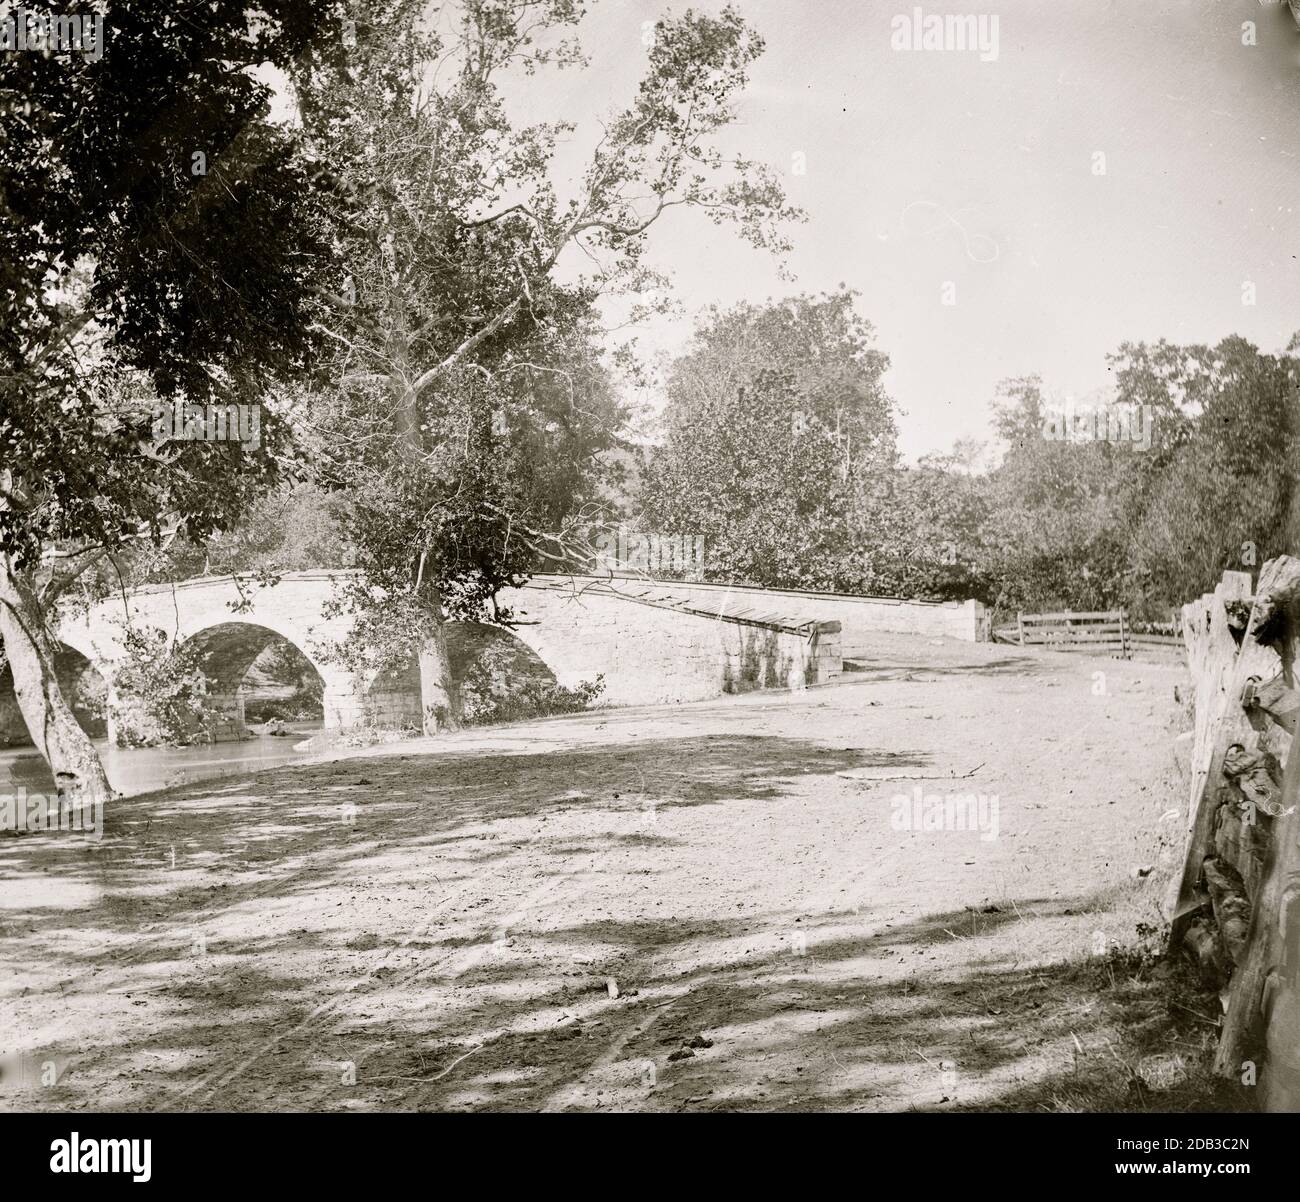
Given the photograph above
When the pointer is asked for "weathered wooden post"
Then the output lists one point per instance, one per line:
(1265, 994)
(1214, 661)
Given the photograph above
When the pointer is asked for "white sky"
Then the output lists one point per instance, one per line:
(928, 167)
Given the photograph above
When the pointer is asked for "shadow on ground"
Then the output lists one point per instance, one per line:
(839, 1010)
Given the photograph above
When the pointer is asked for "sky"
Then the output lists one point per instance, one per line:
(929, 168)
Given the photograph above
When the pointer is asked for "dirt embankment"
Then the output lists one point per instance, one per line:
(758, 903)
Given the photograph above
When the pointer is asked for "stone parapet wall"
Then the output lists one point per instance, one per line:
(859, 617)
(650, 650)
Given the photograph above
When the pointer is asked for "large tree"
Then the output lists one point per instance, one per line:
(159, 237)
(779, 435)
(1052, 536)
(470, 388)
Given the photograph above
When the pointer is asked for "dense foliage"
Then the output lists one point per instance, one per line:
(778, 450)
(1144, 522)
(161, 240)
(160, 692)
(471, 395)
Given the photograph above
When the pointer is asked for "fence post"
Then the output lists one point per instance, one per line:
(1264, 985)
(1123, 636)
(1020, 625)
(1219, 669)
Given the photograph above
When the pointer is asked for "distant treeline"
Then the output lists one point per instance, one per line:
(779, 450)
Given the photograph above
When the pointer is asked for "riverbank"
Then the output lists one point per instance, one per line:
(134, 770)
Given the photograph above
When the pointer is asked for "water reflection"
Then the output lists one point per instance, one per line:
(140, 769)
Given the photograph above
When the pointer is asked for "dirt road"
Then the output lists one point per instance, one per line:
(548, 916)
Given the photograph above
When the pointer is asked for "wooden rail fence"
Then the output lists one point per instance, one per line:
(1106, 631)
(1235, 906)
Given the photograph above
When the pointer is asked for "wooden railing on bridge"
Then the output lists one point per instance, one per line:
(1235, 905)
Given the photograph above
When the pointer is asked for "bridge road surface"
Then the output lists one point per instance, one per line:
(710, 906)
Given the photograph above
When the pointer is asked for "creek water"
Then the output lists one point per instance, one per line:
(140, 769)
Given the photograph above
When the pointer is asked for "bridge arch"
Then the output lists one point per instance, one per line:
(84, 686)
(492, 665)
(230, 643)
(228, 652)
(232, 623)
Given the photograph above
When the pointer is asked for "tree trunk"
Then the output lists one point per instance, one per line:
(439, 697)
(78, 774)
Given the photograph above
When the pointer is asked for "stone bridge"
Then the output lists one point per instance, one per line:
(653, 642)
